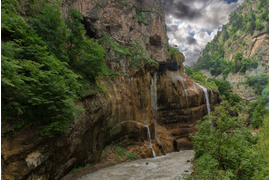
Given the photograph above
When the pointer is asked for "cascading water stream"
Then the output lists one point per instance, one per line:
(153, 93)
(182, 80)
(207, 100)
(139, 127)
(150, 145)
(173, 77)
(156, 136)
(212, 97)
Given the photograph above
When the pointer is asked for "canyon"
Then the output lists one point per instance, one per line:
(147, 110)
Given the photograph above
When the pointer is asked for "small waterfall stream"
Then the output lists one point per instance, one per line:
(139, 127)
(207, 100)
(153, 93)
(173, 78)
(150, 145)
(183, 82)
(212, 97)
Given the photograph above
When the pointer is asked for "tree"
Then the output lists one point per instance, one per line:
(50, 26)
(225, 151)
(38, 86)
(85, 55)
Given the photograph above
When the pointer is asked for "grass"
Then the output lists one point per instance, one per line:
(135, 62)
(139, 17)
(115, 47)
(207, 84)
(121, 152)
(132, 156)
(79, 168)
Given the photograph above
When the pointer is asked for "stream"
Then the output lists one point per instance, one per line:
(159, 168)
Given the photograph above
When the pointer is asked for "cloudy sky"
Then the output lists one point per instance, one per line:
(191, 24)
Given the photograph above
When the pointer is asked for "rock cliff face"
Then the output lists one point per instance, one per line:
(138, 104)
(238, 81)
(254, 46)
(181, 102)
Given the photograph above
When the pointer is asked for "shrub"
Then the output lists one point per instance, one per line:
(38, 86)
(79, 168)
(136, 61)
(121, 152)
(132, 156)
(258, 82)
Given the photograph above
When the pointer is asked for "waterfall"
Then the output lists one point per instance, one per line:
(150, 145)
(159, 142)
(153, 95)
(212, 97)
(182, 80)
(139, 126)
(173, 78)
(207, 100)
(168, 132)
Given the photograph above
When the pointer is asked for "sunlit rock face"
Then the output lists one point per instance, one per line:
(180, 104)
(138, 106)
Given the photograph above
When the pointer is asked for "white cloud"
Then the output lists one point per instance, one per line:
(197, 18)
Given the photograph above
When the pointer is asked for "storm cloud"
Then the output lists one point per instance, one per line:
(191, 40)
(191, 24)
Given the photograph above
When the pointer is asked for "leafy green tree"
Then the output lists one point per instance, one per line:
(188, 70)
(258, 82)
(38, 87)
(259, 26)
(257, 109)
(85, 55)
(221, 155)
(50, 26)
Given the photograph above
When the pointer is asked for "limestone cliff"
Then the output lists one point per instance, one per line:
(140, 102)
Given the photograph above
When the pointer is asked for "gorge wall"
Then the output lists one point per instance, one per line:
(246, 33)
(160, 99)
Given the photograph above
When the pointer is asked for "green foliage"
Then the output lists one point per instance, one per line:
(121, 152)
(188, 70)
(79, 168)
(260, 107)
(137, 52)
(136, 61)
(258, 82)
(234, 99)
(244, 64)
(173, 50)
(85, 55)
(224, 88)
(200, 78)
(139, 17)
(263, 142)
(53, 34)
(115, 47)
(226, 155)
(132, 156)
(38, 87)
(240, 24)
(225, 36)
